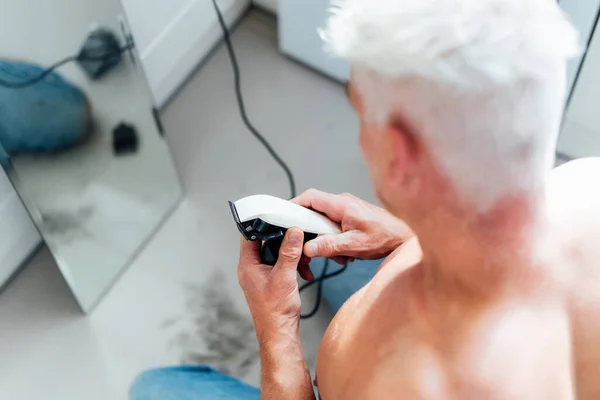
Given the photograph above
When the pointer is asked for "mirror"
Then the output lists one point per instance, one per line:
(80, 143)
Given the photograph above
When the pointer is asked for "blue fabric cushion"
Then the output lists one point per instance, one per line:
(45, 117)
(339, 289)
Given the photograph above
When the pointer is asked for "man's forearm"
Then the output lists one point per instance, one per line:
(284, 373)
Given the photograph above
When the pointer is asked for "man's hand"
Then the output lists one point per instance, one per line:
(369, 232)
(272, 292)
(274, 300)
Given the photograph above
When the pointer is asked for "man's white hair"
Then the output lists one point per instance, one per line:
(483, 81)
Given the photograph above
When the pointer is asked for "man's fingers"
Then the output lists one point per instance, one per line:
(304, 268)
(334, 206)
(330, 246)
(341, 260)
(290, 252)
(249, 252)
(305, 272)
(305, 259)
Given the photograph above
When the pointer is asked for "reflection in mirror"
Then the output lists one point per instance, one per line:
(78, 137)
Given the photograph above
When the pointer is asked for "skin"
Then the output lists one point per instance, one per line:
(500, 305)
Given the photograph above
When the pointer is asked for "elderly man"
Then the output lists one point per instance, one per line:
(496, 294)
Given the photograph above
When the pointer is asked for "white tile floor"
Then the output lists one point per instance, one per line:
(164, 308)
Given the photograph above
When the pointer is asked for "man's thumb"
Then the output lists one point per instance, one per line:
(291, 249)
(328, 246)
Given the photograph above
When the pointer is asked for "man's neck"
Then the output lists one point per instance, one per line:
(477, 254)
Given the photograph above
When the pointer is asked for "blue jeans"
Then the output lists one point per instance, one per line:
(190, 383)
(204, 383)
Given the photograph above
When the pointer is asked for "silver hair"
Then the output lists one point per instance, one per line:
(483, 81)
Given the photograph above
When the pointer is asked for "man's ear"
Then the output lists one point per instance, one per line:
(404, 151)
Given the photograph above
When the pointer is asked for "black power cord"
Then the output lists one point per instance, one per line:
(242, 105)
(240, 100)
(37, 79)
(320, 281)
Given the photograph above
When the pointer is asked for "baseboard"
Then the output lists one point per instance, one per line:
(18, 236)
(184, 44)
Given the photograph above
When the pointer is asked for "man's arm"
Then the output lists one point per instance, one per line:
(284, 373)
(274, 300)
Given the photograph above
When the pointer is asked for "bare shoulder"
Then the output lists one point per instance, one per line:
(573, 199)
(574, 212)
(573, 190)
(363, 330)
(573, 195)
(404, 257)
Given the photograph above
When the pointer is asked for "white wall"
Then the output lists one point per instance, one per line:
(174, 36)
(18, 236)
(270, 5)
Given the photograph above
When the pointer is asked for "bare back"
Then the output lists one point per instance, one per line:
(394, 340)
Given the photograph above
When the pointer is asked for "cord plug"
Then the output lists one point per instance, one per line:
(100, 53)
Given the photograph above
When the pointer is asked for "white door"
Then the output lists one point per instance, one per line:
(174, 36)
